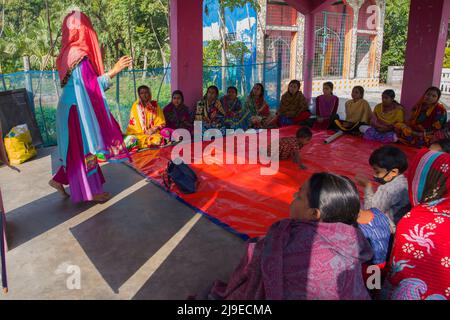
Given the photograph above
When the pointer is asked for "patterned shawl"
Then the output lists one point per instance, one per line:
(301, 260)
(292, 104)
(425, 118)
(252, 104)
(419, 267)
(206, 110)
(178, 117)
(231, 107)
(143, 118)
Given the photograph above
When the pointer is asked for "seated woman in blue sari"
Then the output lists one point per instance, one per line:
(236, 117)
(210, 111)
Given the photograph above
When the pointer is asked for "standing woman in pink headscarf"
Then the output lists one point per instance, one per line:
(85, 125)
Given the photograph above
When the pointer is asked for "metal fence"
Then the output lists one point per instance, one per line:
(45, 89)
(330, 29)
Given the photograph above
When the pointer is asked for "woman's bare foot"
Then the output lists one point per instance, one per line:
(59, 187)
(101, 197)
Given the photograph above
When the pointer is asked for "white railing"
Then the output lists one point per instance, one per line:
(395, 76)
(445, 81)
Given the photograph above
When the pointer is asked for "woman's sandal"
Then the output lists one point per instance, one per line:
(101, 197)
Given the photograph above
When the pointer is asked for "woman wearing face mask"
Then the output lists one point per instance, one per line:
(316, 254)
(388, 163)
(428, 121)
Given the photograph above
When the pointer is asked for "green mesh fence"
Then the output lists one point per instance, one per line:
(46, 89)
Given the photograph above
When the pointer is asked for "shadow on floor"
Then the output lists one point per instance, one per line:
(38, 217)
(119, 240)
(206, 254)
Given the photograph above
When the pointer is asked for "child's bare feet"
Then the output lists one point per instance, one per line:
(101, 197)
(59, 187)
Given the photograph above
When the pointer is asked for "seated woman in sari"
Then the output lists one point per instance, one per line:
(293, 106)
(385, 116)
(236, 117)
(419, 267)
(327, 106)
(210, 111)
(146, 120)
(316, 254)
(357, 112)
(177, 114)
(259, 109)
(428, 121)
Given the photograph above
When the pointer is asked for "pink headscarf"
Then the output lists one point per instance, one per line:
(79, 40)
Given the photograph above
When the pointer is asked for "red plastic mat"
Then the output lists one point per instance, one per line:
(248, 203)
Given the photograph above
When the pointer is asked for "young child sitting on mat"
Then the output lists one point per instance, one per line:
(357, 112)
(289, 147)
(388, 163)
(441, 146)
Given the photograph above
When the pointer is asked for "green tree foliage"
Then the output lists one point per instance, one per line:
(395, 35)
(211, 53)
(447, 58)
(224, 43)
(237, 50)
(26, 32)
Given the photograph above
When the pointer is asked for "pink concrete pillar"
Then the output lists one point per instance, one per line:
(427, 37)
(308, 60)
(186, 47)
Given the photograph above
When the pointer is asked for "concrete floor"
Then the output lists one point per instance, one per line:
(142, 244)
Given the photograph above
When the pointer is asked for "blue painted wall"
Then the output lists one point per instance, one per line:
(242, 21)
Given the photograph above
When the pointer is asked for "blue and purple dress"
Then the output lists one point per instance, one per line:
(85, 128)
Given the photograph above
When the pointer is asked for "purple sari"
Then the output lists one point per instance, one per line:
(85, 128)
(301, 260)
(178, 117)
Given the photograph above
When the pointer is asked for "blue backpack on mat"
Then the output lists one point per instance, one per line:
(183, 177)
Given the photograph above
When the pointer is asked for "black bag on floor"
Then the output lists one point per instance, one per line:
(182, 175)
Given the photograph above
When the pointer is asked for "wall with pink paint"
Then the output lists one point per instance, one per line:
(186, 43)
(427, 37)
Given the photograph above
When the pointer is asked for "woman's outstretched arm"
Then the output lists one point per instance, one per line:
(123, 63)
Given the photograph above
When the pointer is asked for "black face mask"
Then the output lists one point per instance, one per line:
(381, 180)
